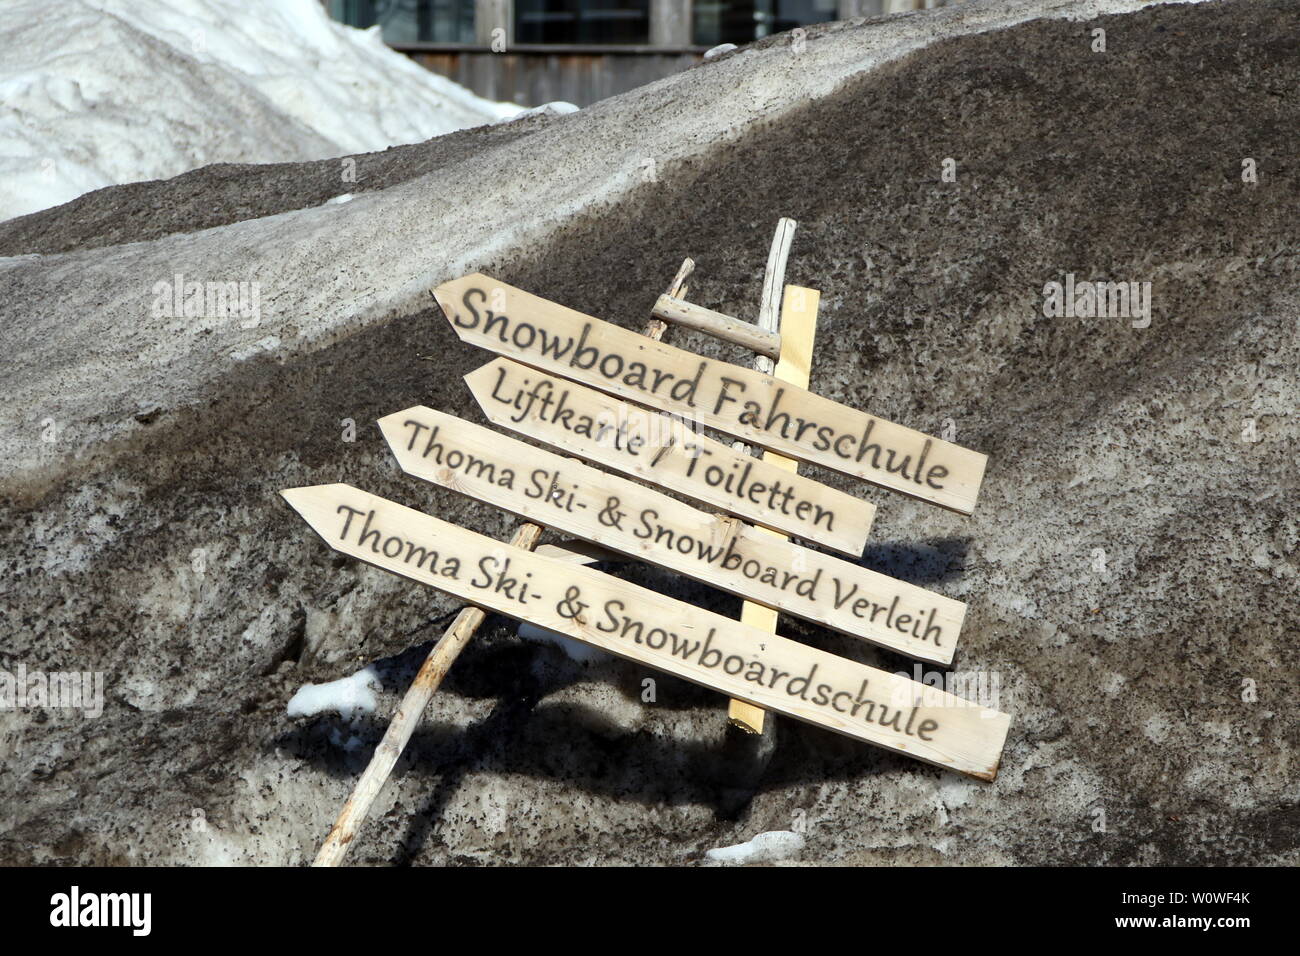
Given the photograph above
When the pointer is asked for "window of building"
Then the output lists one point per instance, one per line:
(623, 22)
(743, 21)
(582, 21)
(410, 21)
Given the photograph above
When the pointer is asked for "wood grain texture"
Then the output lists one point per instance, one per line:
(798, 323)
(742, 402)
(665, 451)
(650, 526)
(719, 325)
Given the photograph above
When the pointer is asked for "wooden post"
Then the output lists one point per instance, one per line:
(798, 326)
(493, 15)
(753, 337)
(746, 716)
(429, 678)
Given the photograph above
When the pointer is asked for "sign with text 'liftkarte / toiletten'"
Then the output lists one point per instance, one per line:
(662, 449)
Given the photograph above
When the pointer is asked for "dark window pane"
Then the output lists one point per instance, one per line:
(742, 21)
(798, 13)
(410, 21)
(582, 21)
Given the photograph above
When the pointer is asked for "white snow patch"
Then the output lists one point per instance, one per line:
(956, 793)
(349, 697)
(99, 92)
(770, 847)
(339, 200)
(554, 108)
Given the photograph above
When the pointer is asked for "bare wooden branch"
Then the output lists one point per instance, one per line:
(769, 309)
(656, 328)
(719, 325)
(744, 715)
(406, 719)
(429, 678)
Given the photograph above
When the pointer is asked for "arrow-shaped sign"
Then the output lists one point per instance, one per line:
(646, 524)
(742, 402)
(633, 622)
(664, 450)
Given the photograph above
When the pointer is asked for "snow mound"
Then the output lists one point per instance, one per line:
(95, 93)
(768, 847)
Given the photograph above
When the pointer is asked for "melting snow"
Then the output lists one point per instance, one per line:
(765, 848)
(349, 697)
(100, 92)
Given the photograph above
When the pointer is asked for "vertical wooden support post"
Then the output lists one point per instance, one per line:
(746, 716)
(798, 328)
(670, 23)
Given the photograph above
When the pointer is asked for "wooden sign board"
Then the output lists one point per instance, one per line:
(769, 671)
(740, 401)
(667, 452)
(643, 523)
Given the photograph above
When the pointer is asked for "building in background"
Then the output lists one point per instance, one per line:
(535, 51)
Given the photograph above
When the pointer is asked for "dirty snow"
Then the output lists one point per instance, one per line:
(95, 93)
(770, 847)
(553, 108)
(575, 650)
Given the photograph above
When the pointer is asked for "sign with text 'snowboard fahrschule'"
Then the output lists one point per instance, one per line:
(739, 401)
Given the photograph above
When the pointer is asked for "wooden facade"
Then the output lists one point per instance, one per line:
(496, 67)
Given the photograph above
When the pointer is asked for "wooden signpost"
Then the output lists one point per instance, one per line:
(537, 389)
(661, 449)
(633, 622)
(798, 318)
(748, 404)
(646, 524)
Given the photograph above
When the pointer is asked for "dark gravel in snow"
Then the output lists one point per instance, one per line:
(1131, 570)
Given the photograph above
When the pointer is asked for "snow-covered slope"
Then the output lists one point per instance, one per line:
(1132, 573)
(99, 92)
